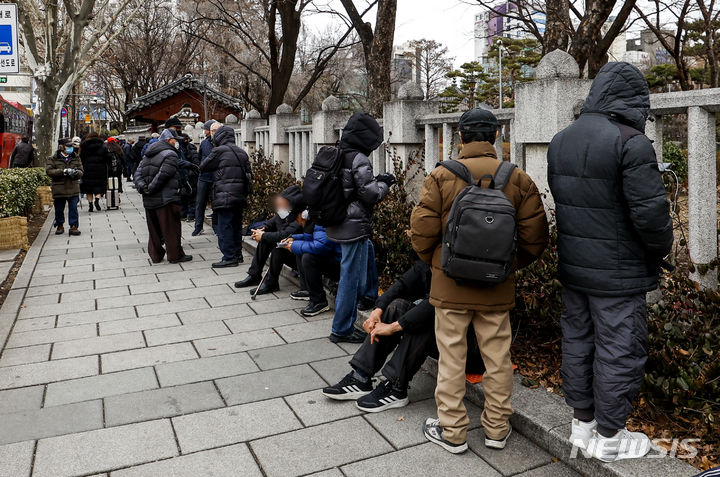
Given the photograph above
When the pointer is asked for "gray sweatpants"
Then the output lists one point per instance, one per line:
(604, 347)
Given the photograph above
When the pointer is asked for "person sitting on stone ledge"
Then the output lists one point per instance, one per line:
(288, 204)
(403, 321)
(317, 256)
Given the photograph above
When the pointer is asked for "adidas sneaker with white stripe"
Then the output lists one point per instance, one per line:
(382, 398)
(348, 389)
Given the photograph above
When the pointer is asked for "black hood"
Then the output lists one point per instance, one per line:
(224, 135)
(157, 147)
(620, 90)
(294, 195)
(362, 133)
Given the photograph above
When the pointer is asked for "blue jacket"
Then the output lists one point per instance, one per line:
(205, 150)
(317, 244)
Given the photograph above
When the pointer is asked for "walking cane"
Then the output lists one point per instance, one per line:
(254, 295)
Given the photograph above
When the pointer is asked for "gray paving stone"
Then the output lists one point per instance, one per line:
(50, 421)
(172, 307)
(48, 270)
(215, 314)
(97, 316)
(556, 469)
(313, 408)
(34, 324)
(195, 370)
(426, 459)
(131, 300)
(205, 272)
(518, 456)
(334, 472)
(16, 459)
(153, 268)
(100, 275)
(21, 399)
(295, 353)
(98, 345)
(231, 461)
(138, 324)
(26, 355)
(47, 372)
(177, 334)
(138, 358)
(94, 294)
(145, 286)
(41, 299)
(240, 297)
(100, 386)
(332, 370)
(164, 402)
(269, 384)
(271, 306)
(200, 292)
(258, 322)
(305, 331)
(104, 449)
(138, 281)
(231, 425)
(51, 335)
(317, 448)
(59, 288)
(237, 342)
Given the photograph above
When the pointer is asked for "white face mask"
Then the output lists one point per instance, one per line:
(176, 145)
(305, 214)
(283, 213)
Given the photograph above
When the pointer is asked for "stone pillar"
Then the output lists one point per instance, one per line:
(327, 123)
(499, 142)
(278, 138)
(517, 156)
(294, 157)
(542, 108)
(431, 148)
(247, 130)
(447, 135)
(654, 131)
(702, 192)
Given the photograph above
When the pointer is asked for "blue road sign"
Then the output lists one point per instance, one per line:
(6, 40)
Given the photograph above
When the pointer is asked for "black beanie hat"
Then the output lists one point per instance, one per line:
(478, 120)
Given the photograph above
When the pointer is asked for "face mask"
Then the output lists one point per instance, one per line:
(68, 150)
(283, 213)
(176, 145)
(305, 214)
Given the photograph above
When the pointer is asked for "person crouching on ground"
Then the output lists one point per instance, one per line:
(230, 168)
(459, 304)
(157, 179)
(288, 204)
(65, 169)
(317, 256)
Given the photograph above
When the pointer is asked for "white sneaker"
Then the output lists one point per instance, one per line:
(498, 443)
(581, 432)
(623, 445)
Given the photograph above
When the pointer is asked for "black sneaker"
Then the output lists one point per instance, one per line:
(348, 389)
(314, 309)
(225, 264)
(184, 258)
(365, 304)
(356, 336)
(384, 397)
(302, 295)
(433, 432)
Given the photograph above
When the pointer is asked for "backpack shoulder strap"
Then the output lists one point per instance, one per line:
(459, 169)
(502, 174)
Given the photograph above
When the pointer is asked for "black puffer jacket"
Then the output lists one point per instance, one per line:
(230, 167)
(360, 137)
(277, 229)
(613, 218)
(157, 176)
(96, 164)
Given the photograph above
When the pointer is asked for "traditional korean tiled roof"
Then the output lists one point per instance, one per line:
(186, 82)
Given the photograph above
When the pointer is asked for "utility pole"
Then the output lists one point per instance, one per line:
(500, 44)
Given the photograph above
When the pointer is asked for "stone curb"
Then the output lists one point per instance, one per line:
(11, 306)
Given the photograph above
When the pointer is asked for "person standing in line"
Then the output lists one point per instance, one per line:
(461, 303)
(96, 165)
(23, 155)
(614, 228)
(65, 169)
(204, 181)
(157, 179)
(358, 272)
(136, 155)
(117, 160)
(191, 165)
(230, 168)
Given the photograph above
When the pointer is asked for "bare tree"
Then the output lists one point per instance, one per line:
(61, 41)
(433, 62)
(377, 48)
(709, 23)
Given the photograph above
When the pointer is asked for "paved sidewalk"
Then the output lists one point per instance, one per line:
(123, 368)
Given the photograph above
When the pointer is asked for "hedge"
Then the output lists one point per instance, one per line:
(18, 188)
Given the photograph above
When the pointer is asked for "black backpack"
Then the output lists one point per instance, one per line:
(480, 237)
(323, 189)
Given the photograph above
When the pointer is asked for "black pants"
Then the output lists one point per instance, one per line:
(411, 349)
(312, 268)
(164, 227)
(228, 228)
(278, 257)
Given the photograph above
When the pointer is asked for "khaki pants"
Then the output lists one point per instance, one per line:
(493, 332)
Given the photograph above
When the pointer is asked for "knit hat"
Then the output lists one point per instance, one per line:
(478, 120)
(206, 126)
(173, 121)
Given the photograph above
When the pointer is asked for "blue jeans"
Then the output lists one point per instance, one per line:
(229, 232)
(72, 203)
(358, 278)
(201, 198)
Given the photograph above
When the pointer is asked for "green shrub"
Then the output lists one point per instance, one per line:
(268, 180)
(18, 189)
(673, 154)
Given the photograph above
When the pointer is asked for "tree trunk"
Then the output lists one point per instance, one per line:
(44, 130)
(380, 62)
(588, 32)
(556, 26)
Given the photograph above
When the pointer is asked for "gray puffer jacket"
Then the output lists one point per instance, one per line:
(613, 218)
(361, 135)
(156, 177)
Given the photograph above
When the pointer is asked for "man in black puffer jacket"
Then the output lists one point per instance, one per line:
(614, 229)
(156, 178)
(230, 169)
(358, 272)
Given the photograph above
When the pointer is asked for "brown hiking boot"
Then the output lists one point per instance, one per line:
(60, 230)
(74, 231)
